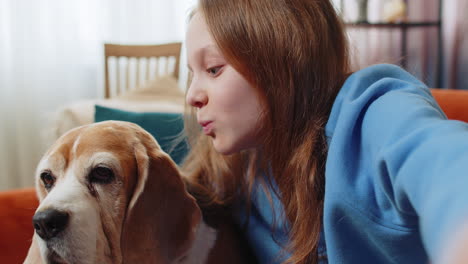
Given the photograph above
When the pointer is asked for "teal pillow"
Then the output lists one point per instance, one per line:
(165, 127)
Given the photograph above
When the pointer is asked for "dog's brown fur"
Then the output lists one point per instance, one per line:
(144, 215)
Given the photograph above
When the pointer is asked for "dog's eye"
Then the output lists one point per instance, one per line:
(101, 175)
(47, 179)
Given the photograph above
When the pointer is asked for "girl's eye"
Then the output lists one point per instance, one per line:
(213, 71)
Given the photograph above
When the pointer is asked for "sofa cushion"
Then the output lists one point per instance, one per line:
(17, 208)
(165, 127)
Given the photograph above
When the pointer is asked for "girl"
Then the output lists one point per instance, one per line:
(318, 164)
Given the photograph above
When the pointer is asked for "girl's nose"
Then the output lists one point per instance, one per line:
(196, 96)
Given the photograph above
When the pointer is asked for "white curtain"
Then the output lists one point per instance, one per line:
(51, 53)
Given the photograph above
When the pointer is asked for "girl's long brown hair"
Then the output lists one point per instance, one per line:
(295, 53)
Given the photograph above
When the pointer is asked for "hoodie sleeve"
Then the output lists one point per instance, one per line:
(400, 152)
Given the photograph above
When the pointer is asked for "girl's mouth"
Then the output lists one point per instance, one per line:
(207, 127)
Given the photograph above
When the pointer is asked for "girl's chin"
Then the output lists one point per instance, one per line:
(223, 149)
(227, 149)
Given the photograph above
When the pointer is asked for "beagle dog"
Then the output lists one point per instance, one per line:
(109, 194)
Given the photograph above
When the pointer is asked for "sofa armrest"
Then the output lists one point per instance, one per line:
(453, 102)
(17, 208)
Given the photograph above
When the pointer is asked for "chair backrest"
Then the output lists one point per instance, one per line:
(129, 66)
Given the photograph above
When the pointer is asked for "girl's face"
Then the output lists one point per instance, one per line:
(228, 107)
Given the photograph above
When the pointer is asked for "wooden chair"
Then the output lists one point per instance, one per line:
(129, 66)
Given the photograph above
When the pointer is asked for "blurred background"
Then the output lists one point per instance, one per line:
(52, 54)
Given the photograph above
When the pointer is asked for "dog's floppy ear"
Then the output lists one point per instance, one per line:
(161, 217)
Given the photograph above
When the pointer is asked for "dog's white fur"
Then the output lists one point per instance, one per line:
(83, 241)
(98, 213)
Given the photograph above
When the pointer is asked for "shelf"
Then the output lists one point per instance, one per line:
(405, 27)
(394, 25)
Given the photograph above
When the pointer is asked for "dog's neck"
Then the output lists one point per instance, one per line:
(205, 240)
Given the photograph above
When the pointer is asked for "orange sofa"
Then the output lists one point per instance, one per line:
(17, 206)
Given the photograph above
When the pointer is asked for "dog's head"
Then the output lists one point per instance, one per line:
(109, 194)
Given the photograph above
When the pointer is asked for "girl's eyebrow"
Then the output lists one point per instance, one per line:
(208, 49)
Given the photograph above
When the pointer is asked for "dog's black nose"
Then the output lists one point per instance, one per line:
(49, 223)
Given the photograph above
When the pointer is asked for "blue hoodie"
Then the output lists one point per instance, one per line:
(396, 176)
